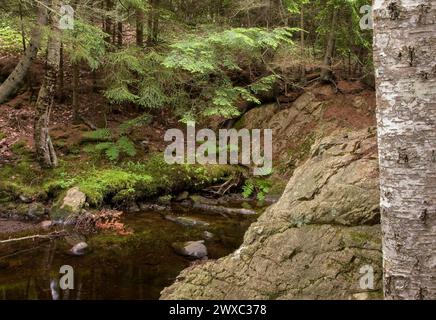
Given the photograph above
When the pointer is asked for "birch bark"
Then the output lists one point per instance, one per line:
(404, 58)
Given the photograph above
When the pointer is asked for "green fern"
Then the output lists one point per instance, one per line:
(125, 145)
(98, 135)
(103, 146)
(112, 152)
(258, 187)
(128, 125)
(264, 84)
(248, 189)
(112, 149)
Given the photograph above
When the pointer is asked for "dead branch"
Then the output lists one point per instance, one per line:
(222, 189)
(88, 123)
(50, 236)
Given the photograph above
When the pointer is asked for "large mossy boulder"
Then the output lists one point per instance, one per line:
(69, 204)
(311, 244)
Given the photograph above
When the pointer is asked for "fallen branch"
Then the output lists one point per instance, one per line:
(51, 236)
(88, 123)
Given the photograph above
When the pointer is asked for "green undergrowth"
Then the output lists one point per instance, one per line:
(105, 182)
(135, 180)
(21, 179)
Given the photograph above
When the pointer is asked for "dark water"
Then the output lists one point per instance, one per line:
(136, 266)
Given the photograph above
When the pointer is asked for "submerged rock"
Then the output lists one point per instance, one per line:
(79, 249)
(313, 242)
(46, 225)
(208, 235)
(187, 221)
(144, 206)
(193, 249)
(196, 199)
(223, 210)
(133, 208)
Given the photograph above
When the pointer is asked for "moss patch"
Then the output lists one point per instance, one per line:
(11, 191)
(102, 184)
(137, 180)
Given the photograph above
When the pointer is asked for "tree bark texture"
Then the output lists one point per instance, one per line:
(43, 145)
(326, 72)
(404, 57)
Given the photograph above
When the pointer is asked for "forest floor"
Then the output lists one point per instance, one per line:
(16, 118)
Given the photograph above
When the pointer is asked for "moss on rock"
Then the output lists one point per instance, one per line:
(147, 180)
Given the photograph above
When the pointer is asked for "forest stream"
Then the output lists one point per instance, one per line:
(133, 266)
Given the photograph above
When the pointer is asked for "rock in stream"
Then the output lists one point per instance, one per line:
(79, 249)
(193, 249)
(187, 221)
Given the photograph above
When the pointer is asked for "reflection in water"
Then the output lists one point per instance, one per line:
(137, 266)
(54, 289)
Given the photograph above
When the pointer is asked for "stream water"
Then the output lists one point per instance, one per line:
(135, 266)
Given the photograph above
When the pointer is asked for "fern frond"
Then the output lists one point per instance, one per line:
(126, 145)
(98, 135)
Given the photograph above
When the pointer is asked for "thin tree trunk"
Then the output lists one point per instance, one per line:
(61, 75)
(120, 34)
(326, 72)
(23, 39)
(76, 77)
(139, 28)
(108, 21)
(23, 34)
(303, 67)
(12, 83)
(404, 48)
(43, 145)
(150, 22)
(156, 22)
(153, 23)
(94, 81)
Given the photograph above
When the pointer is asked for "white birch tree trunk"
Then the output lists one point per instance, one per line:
(405, 63)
